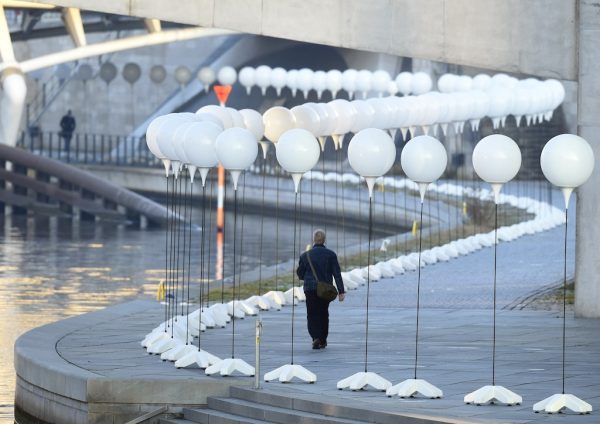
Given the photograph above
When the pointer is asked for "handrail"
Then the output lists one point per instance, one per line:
(148, 415)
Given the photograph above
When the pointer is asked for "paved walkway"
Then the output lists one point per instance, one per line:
(455, 343)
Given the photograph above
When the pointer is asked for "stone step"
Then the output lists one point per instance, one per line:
(212, 416)
(334, 410)
(274, 414)
(175, 421)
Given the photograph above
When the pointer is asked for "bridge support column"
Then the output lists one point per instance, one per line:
(587, 273)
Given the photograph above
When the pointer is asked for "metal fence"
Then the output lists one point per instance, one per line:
(100, 149)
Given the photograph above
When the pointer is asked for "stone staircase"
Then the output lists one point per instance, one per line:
(247, 406)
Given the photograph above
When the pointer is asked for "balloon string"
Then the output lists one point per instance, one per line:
(187, 321)
(178, 250)
(184, 246)
(209, 235)
(174, 197)
(418, 290)
(203, 270)
(222, 265)
(494, 321)
(293, 272)
(165, 283)
(235, 201)
(564, 345)
(368, 281)
(262, 226)
(277, 229)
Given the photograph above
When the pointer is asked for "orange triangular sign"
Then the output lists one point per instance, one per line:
(222, 92)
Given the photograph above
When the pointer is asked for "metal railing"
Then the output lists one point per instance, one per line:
(92, 149)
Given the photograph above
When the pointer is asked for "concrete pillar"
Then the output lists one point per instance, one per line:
(587, 271)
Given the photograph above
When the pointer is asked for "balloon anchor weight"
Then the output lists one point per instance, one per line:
(410, 387)
(493, 394)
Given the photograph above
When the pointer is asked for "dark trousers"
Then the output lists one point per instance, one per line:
(317, 316)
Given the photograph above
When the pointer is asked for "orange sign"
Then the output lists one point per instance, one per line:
(222, 92)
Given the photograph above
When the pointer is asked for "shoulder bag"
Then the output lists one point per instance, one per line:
(325, 291)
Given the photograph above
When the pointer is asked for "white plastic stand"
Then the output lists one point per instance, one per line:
(229, 366)
(259, 302)
(558, 402)
(410, 387)
(493, 394)
(286, 373)
(276, 296)
(163, 345)
(200, 357)
(178, 352)
(298, 293)
(219, 314)
(238, 313)
(155, 336)
(360, 380)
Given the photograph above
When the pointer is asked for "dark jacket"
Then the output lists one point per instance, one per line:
(326, 265)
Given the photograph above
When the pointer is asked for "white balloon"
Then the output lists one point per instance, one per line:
(334, 82)
(227, 75)
(291, 80)
(297, 151)
(305, 77)
(380, 80)
(424, 159)
(326, 119)
(152, 134)
(307, 118)
(319, 82)
(165, 137)
(278, 120)
(220, 112)
(404, 82)
(421, 83)
(247, 78)
(182, 75)
(365, 114)
(446, 83)
(371, 152)
(349, 81)
(481, 82)
(203, 116)
(237, 120)
(496, 159)
(262, 78)
(253, 121)
(206, 76)
(392, 88)
(344, 115)
(236, 149)
(199, 144)
(464, 83)
(278, 78)
(567, 161)
(364, 82)
(177, 140)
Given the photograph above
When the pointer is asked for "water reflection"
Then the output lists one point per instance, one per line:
(51, 269)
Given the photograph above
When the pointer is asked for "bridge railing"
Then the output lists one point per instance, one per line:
(92, 149)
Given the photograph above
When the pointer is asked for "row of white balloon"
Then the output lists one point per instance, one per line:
(428, 111)
(306, 80)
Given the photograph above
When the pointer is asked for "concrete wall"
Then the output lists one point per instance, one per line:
(587, 271)
(536, 37)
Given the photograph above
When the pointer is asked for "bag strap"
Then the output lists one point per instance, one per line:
(312, 267)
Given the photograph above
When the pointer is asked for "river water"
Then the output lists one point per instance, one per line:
(51, 269)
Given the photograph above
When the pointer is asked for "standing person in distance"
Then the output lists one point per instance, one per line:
(326, 266)
(67, 127)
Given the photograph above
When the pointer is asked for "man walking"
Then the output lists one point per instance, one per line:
(326, 266)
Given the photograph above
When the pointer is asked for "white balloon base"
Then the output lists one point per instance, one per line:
(360, 380)
(178, 352)
(297, 293)
(410, 387)
(276, 296)
(558, 402)
(493, 394)
(286, 373)
(229, 366)
(200, 357)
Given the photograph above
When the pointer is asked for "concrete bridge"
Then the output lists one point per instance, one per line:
(546, 38)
